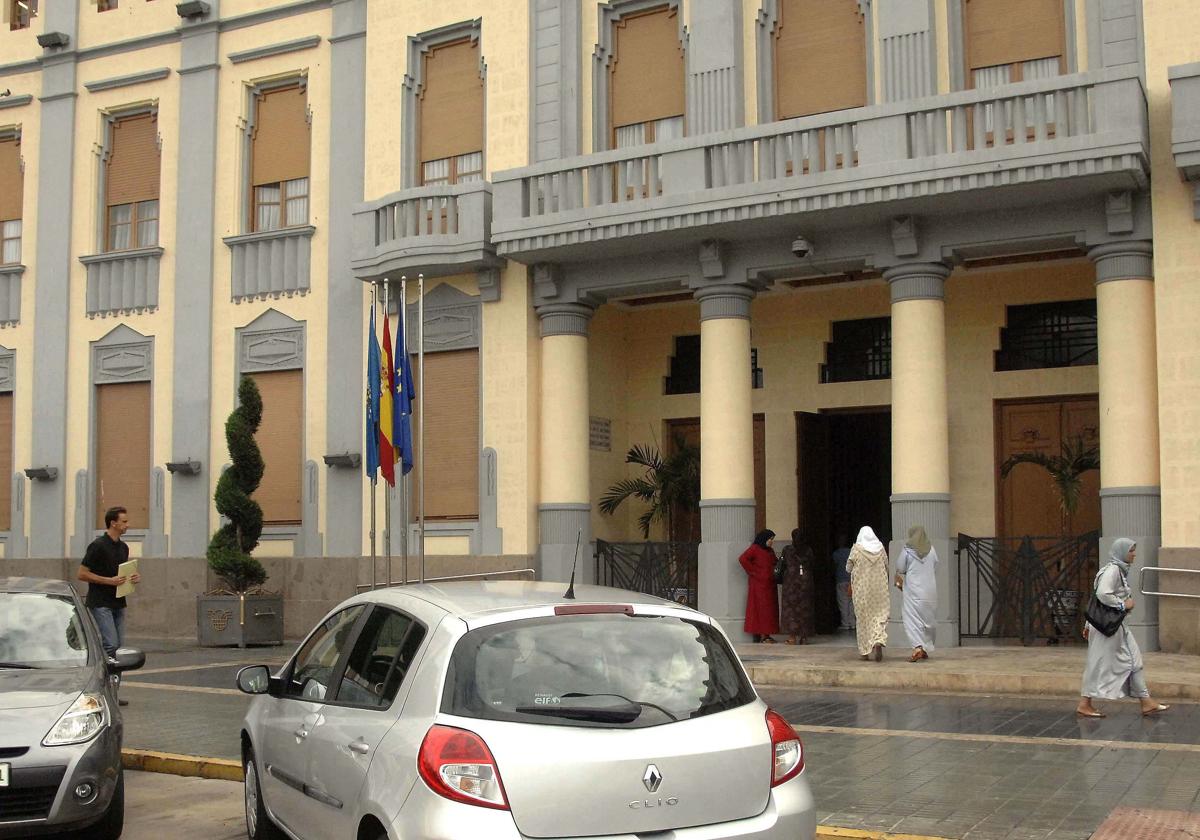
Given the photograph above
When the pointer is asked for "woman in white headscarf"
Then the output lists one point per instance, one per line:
(868, 566)
(1114, 663)
(915, 575)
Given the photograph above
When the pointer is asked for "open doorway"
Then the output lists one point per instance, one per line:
(843, 481)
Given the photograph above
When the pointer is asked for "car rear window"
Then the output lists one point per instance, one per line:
(607, 670)
(40, 630)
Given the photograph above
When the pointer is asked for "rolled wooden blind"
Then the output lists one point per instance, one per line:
(452, 436)
(6, 461)
(280, 438)
(123, 451)
(1008, 31)
(11, 180)
(820, 57)
(133, 165)
(282, 138)
(451, 102)
(646, 81)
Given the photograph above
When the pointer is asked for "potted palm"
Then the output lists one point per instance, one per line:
(667, 483)
(240, 612)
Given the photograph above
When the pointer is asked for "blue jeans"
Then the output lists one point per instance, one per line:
(111, 622)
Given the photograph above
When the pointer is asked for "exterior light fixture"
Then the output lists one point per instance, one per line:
(191, 9)
(349, 460)
(42, 473)
(53, 39)
(188, 467)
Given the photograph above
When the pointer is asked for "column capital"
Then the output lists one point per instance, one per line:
(565, 318)
(1133, 260)
(724, 300)
(917, 281)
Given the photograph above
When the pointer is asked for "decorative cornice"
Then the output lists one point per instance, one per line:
(266, 235)
(274, 49)
(15, 101)
(917, 281)
(725, 300)
(119, 256)
(564, 319)
(126, 81)
(1132, 260)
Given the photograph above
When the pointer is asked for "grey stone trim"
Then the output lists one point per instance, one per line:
(931, 510)
(564, 319)
(122, 282)
(908, 49)
(155, 544)
(489, 284)
(414, 84)
(271, 264)
(1123, 261)
(554, 79)
(254, 92)
(917, 281)
(344, 312)
(724, 300)
(8, 364)
(609, 13)
(123, 355)
(456, 528)
(957, 33)
(10, 294)
(104, 155)
(272, 341)
(1119, 212)
(15, 101)
(57, 18)
(15, 544)
(1120, 32)
(129, 80)
(282, 48)
(561, 528)
(768, 17)
(453, 320)
(308, 542)
(715, 68)
(727, 520)
(491, 535)
(1185, 125)
(1131, 511)
(82, 534)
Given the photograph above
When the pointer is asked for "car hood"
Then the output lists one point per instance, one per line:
(31, 701)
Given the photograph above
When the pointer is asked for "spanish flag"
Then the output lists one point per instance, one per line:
(388, 454)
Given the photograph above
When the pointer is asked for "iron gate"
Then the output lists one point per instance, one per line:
(1028, 588)
(664, 569)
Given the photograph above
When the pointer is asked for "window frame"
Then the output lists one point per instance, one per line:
(339, 664)
(282, 203)
(19, 19)
(136, 220)
(4, 240)
(416, 634)
(255, 91)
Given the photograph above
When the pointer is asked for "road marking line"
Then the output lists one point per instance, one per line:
(995, 739)
(859, 834)
(199, 689)
(152, 761)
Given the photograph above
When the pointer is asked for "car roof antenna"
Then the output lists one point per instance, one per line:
(570, 593)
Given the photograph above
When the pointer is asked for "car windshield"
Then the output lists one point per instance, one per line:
(40, 630)
(609, 670)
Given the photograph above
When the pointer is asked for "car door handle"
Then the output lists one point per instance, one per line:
(361, 747)
(301, 734)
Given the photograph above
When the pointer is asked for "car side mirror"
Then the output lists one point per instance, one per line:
(254, 679)
(126, 659)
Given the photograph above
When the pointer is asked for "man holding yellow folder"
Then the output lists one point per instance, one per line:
(101, 570)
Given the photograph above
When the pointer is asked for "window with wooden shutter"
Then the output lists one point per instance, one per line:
(6, 460)
(280, 154)
(1013, 40)
(452, 434)
(131, 183)
(21, 13)
(646, 79)
(12, 187)
(123, 451)
(820, 57)
(451, 121)
(280, 438)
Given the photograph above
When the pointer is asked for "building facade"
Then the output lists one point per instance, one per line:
(859, 251)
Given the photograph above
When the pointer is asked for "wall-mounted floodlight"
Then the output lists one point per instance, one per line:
(188, 467)
(53, 39)
(349, 460)
(192, 9)
(42, 473)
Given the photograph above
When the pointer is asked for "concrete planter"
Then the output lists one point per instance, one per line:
(241, 620)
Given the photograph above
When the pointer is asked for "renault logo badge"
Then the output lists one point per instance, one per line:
(652, 778)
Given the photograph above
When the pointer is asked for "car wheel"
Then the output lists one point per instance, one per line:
(113, 822)
(258, 823)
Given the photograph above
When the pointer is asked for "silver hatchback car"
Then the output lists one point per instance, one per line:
(503, 710)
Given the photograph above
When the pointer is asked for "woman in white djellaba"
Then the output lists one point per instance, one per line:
(915, 575)
(1114, 663)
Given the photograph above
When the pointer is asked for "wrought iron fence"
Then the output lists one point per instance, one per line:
(663, 569)
(1026, 587)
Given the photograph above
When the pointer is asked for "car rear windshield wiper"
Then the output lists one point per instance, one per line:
(625, 712)
(23, 666)
(640, 703)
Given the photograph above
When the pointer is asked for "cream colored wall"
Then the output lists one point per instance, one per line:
(131, 19)
(1171, 28)
(20, 45)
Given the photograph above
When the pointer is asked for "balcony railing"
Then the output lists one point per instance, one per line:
(1070, 125)
(439, 229)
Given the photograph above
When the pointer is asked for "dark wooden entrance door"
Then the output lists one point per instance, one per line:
(685, 523)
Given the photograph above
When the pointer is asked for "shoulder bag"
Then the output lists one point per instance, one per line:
(1104, 618)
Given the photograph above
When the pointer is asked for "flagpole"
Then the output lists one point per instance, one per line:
(402, 311)
(421, 419)
(374, 572)
(387, 489)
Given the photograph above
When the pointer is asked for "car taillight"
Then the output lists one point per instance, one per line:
(458, 765)
(786, 747)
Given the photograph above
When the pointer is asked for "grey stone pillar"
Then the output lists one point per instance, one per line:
(715, 98)
(191, 374)
(927, 507)
(344, 313)
(51, 300)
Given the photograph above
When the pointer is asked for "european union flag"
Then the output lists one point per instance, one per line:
(371, 462)
(405, 397)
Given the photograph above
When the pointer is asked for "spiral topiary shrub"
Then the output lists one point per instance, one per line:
(230, 547)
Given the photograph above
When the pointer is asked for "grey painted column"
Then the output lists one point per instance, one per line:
(908, 49)
(344, 428)
(191, 374)
(564, 510)
(714, 72)
(51, 301)
(554, 78)
(1129, 455)
(920, 425)
(726, 452)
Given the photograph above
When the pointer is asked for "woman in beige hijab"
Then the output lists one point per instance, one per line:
(915, 574)
(868, 566)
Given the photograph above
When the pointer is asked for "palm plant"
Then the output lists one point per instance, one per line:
(1066, 470)
(667, 481)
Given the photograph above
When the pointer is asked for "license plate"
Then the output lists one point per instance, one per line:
(4, 775)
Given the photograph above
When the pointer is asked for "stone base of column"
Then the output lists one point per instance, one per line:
(1136, 513)
(562, 527)
(931, 510)
(726, 528)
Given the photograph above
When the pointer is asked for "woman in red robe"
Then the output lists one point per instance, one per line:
(762, 598)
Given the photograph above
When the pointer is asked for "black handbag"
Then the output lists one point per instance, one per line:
(1104, 618)
(780, 565)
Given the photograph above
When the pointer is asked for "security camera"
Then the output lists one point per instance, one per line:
(801, 247)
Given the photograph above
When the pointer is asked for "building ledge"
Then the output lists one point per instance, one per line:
(122, 282)
(1185, 124)
(271, 263)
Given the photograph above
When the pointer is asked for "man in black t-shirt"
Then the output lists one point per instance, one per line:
(100, 570)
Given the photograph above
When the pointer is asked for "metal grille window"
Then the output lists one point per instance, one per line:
(1048, 335)
(684, 377)
(859, 350)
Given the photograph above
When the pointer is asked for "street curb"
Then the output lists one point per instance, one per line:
(859, 834)
(182, 765)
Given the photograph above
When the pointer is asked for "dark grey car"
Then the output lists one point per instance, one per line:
(60, 727)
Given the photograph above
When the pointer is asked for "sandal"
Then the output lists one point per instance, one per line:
(790, 642)
(1090, 714)
(916, 656)
(877, 652)
(1161, 707)
(769, 641)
